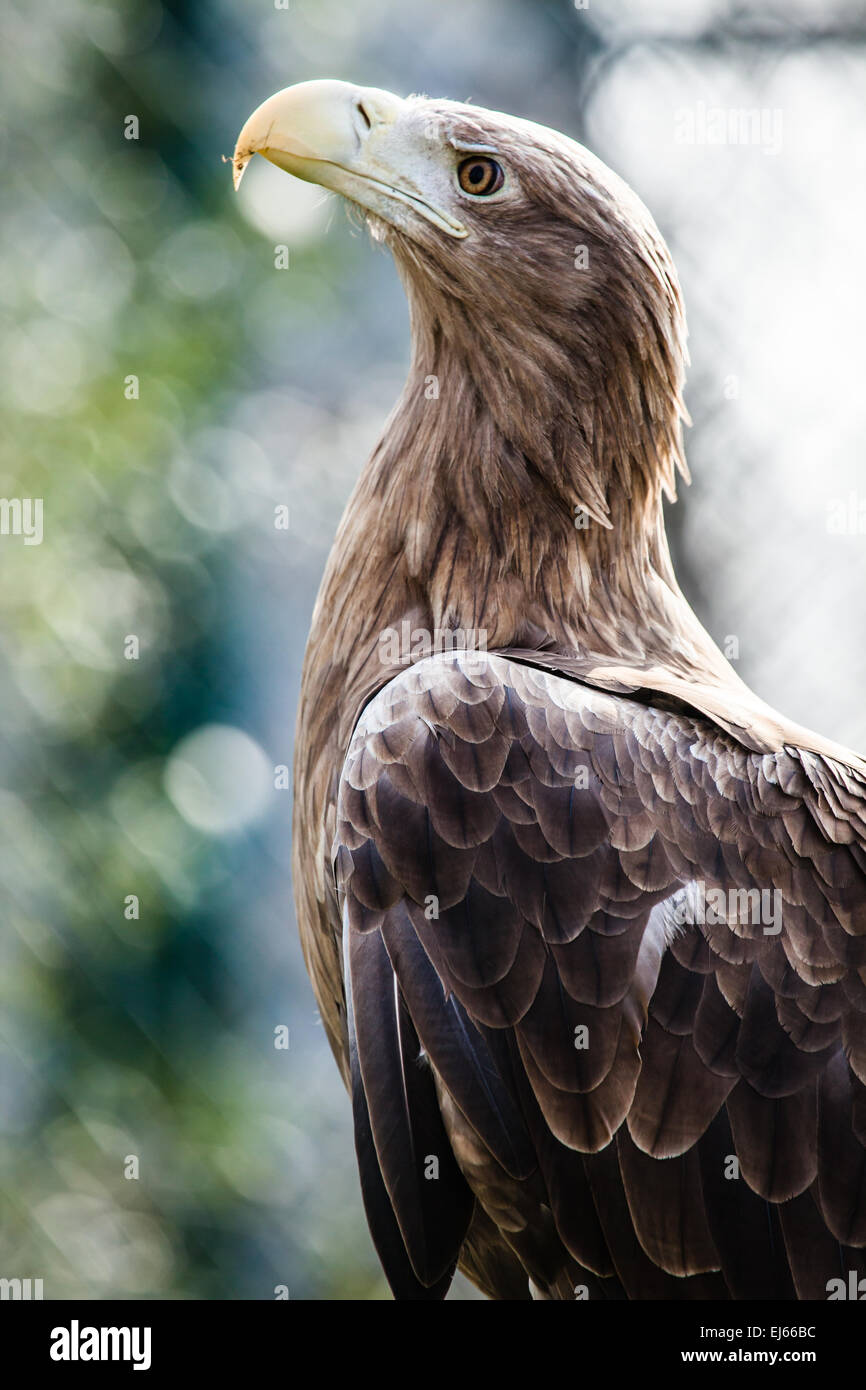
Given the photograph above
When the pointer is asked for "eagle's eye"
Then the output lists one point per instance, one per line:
(480, 176)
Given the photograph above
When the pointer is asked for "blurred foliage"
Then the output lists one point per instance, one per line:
(152, 775)
(150, 1036)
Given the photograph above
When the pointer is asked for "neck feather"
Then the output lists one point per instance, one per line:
(516, 497)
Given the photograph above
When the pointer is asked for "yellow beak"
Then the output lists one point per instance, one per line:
(347, 139)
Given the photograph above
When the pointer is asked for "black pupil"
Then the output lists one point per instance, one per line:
(480, 176)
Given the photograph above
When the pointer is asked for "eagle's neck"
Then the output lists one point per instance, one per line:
(518, 519)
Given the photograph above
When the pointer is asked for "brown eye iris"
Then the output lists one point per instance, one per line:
(480, 176)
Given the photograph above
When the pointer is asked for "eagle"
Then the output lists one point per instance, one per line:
(585, 918)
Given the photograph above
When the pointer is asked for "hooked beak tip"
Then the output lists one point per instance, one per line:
(239, 164)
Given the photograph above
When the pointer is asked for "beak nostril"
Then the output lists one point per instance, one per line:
(362, 112)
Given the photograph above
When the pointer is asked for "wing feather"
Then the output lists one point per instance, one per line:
(399, 1107)
(663, 1099)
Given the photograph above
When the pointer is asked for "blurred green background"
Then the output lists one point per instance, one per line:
(165, 388)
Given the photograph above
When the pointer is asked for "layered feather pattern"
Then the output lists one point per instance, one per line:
(632, 954)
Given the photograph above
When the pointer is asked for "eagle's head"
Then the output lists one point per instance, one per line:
(528, 264)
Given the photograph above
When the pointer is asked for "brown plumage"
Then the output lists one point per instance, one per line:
(585, 1053)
